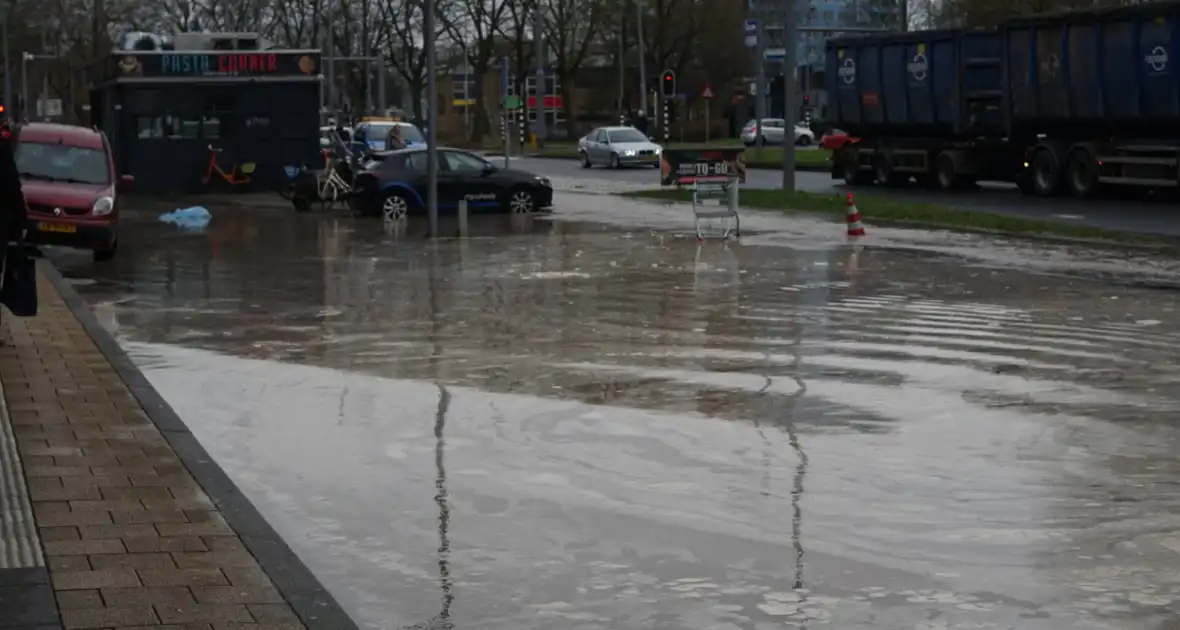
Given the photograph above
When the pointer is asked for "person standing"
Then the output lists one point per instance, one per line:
(395, 142)
(13, 211)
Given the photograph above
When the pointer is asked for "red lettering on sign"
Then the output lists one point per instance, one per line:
(248, 64)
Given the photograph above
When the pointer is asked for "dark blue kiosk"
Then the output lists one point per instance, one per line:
(164, 109)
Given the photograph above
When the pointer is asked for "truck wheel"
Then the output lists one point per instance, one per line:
(1046, 173)
(883, 174)
(853, 176)
(945, 174)
(1081, 174)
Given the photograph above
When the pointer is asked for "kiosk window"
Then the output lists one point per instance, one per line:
(167, 127)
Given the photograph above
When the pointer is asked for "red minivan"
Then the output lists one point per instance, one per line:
(68, 176)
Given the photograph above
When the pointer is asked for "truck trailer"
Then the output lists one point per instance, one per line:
(1059, 104)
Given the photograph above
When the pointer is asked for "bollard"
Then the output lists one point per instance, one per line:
(463, 218)
(520, 113)
(667, 125)
(731, 202)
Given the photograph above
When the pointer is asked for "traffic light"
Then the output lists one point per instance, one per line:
(668, 84)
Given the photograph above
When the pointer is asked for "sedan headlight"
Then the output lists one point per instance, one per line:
(544, 181)
(102, 206)
(629, 152)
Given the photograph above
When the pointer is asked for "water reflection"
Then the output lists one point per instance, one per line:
(585, 427)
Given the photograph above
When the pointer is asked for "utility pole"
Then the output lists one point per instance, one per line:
(432, 116)
(98, 27)
(790, 67)
(539, 41)
(622, 62)
(642, 58)
(331, 54)
(760, 82)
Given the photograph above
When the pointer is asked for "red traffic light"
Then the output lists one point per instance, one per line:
(668, 84)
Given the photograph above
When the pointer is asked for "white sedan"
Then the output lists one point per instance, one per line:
(773, 131)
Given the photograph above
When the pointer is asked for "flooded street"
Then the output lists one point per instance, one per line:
(592, 421)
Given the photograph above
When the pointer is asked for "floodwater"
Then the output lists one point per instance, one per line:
(566, 424)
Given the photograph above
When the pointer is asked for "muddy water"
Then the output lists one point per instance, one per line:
(602, 426)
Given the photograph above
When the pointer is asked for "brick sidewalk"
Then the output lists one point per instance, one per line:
(130, 538)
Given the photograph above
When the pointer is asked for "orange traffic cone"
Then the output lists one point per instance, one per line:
(853, 218)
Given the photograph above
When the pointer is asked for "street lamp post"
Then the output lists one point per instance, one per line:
(642, 60)
(432, 120)
(790, 69)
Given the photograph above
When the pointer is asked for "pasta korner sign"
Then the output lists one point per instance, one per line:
(212, 64)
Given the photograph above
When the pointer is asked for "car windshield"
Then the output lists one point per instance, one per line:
(626, 135)
(409, 133)
(59, 162)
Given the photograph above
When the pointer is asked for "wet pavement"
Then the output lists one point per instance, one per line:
(592, 421)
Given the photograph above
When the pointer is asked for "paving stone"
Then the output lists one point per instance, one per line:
(236, 595)
(214, 559)
(83, 547)
(174, 543)
(133, 561)
(272, 613)
(183, 577)
(75, 580)
(107, 617)
(68, 563)
(71, 600)
(212, 613)
(171, 595)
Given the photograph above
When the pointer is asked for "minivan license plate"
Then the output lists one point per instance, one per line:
(63, 228)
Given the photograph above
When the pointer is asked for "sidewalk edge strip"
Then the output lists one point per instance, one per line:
(312, 603)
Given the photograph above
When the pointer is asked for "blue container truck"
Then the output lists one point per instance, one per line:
(1062, 103)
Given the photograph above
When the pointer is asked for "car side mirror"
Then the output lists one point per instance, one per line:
(125, 182)
(489, 168)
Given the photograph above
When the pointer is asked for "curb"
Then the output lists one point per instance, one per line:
(304, 593)
(757, 166)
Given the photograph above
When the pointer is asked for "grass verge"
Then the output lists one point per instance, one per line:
(767, 158)
(900, 212)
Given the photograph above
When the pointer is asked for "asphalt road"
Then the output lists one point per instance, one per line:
(1130, 215)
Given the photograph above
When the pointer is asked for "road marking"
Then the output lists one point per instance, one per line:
(1072, 217)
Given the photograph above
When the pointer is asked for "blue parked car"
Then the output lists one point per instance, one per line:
(371, 135)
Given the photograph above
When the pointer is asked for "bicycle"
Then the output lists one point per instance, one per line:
(330, 185)
(239, 174)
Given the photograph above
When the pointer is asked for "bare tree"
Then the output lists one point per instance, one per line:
(474, 24)
(403, 24)
(517, 30)
(571, 27)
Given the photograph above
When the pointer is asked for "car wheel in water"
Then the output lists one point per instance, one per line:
(614, 160)
(107, 253)
(520, 201)
(395, 207)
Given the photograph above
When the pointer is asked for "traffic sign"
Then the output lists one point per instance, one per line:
(49, 107)
(750, 28)
(708, 93)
